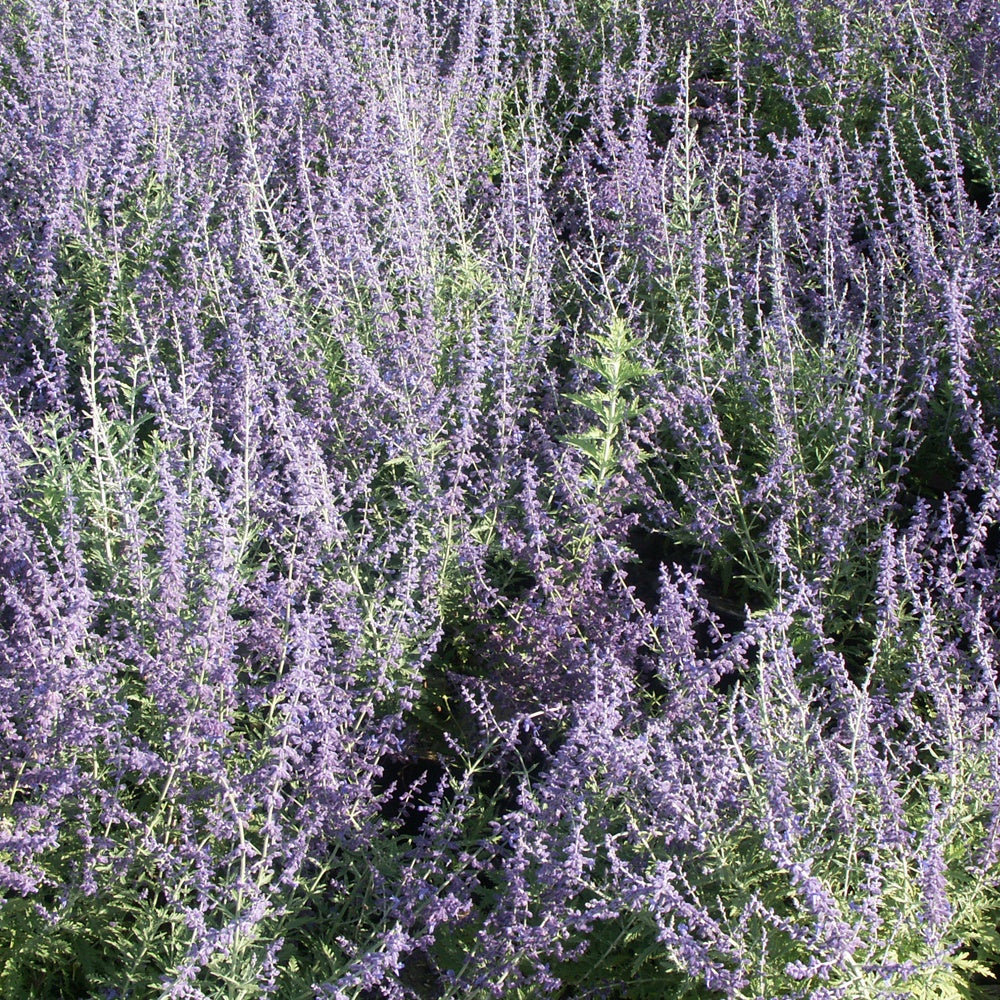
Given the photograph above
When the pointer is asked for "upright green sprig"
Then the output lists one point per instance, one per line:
(613, 401)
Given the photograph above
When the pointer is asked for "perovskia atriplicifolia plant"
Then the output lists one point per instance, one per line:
(499, 500)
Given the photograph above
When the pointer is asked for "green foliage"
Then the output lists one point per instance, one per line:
(613, 402)
(97, 474)
(65, 953)
(97, 276)
(625, 960)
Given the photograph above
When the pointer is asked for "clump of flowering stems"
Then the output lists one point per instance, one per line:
(498, 500)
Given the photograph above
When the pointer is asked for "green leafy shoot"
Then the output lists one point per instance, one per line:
(613, 401)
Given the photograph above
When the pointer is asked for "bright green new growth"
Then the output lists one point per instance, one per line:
(612, 402)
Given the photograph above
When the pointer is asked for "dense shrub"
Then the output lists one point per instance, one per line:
(499, 500)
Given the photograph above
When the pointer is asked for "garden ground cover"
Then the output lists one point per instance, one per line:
(499, 500)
